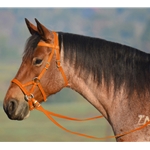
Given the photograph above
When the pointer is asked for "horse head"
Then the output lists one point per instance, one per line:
(39, 74)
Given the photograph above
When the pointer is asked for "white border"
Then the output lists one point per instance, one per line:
(75, 145)
(74, 3)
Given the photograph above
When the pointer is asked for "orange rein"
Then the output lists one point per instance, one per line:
(34, 104)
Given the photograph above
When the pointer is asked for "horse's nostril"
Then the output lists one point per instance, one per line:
(12, 105)
(16, 110)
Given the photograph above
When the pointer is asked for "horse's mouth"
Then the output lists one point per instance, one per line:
(27, 115)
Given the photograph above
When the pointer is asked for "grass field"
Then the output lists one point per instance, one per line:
(39, 128)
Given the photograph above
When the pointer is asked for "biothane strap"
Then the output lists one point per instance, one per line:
(50, 114)
(55, 47)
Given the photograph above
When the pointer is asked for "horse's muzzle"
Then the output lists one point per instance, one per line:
(16, 110)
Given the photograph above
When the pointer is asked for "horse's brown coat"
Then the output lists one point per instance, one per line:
(120, 110)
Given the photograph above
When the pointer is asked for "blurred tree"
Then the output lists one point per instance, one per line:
(7, 52)
(145, 37)
(146, 33)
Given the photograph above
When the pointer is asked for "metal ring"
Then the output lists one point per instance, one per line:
(36, 80)
(31, 95)
(28, 97)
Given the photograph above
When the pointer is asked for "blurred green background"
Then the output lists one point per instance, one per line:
(130, 26)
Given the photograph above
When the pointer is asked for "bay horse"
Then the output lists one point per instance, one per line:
(114, 78)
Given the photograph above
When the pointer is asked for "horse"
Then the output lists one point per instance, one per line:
(113, 77)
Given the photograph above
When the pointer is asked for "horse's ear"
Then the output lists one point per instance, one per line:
(32, 28)
(45, 34)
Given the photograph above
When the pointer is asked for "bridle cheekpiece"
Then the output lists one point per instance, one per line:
(29, 96)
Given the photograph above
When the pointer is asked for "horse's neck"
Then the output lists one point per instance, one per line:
(88, 89)
(124, 114)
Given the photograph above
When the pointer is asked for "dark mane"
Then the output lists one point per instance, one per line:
(121, 64)
(31, 44)
(115, 62)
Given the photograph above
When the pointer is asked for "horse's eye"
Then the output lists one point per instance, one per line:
(37, 61)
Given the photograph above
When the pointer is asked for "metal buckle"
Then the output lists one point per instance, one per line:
(47, 65)
(36, 103)
(28, 97)
(58, 65)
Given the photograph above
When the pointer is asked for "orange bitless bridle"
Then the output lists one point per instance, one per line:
(29, 96)
(36, 81)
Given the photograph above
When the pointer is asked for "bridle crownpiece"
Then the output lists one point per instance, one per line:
(29, 96)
